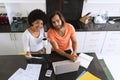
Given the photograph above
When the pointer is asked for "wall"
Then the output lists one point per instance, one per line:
(101, 6)
(2, 8)
(102, 1)
(23, 9)
(94, 6)
(20, 1)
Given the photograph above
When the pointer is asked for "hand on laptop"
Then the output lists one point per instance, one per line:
(73, 57)
(73, 53)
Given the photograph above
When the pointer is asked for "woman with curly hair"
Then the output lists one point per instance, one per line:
(33, 36)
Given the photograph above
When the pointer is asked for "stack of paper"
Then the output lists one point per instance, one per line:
(84, 60)
(87, 76)
(32, 72)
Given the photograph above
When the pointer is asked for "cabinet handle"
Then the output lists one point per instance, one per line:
(11, 36)
(14, 37)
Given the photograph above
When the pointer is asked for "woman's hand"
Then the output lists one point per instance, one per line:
(28, 55)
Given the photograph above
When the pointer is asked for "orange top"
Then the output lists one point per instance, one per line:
(64, 41)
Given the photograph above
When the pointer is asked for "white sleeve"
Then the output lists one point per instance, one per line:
(26, 42)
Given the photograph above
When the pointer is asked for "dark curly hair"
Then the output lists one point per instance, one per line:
(60, 16)
(37, 14)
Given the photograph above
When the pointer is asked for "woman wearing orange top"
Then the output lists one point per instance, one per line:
(60, 34)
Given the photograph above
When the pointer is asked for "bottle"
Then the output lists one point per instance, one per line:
(106, 16)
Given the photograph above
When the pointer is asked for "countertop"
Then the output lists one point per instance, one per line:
(102, 27)
(79, 26)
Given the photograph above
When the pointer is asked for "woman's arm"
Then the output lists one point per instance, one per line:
(26, 44)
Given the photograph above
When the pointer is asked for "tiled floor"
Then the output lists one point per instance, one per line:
(112, 62)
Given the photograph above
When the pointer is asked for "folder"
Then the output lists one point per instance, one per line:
(87, 76)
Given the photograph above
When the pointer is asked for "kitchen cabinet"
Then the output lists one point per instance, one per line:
(100, 42)
(10, 43)
(6, 44)
(18, 42)
(80, 36)
(94, 42)
(112, 43)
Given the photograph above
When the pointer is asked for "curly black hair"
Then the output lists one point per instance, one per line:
(37, 14)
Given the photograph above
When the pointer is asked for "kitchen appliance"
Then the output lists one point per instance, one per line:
(100, 19)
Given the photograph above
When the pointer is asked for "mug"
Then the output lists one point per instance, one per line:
(45, 42)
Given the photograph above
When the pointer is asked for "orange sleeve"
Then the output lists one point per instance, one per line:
(50, 35)
(72, 29)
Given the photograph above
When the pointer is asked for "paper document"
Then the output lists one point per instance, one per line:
(32, 72)
(30, 56)
(84, 60)
(36, 57)
(21, 75)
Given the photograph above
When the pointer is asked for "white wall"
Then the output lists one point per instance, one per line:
(2, 8)
(101, 6)
(13, 9)
(102, 1)
(94, 6)
(21, 1)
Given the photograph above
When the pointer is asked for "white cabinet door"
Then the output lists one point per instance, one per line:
(7, 44)
(18, 42)
(11, 43)
(94, 42)
(112, 43)
(80, 36)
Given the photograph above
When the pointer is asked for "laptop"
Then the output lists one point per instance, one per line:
(65, 66)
